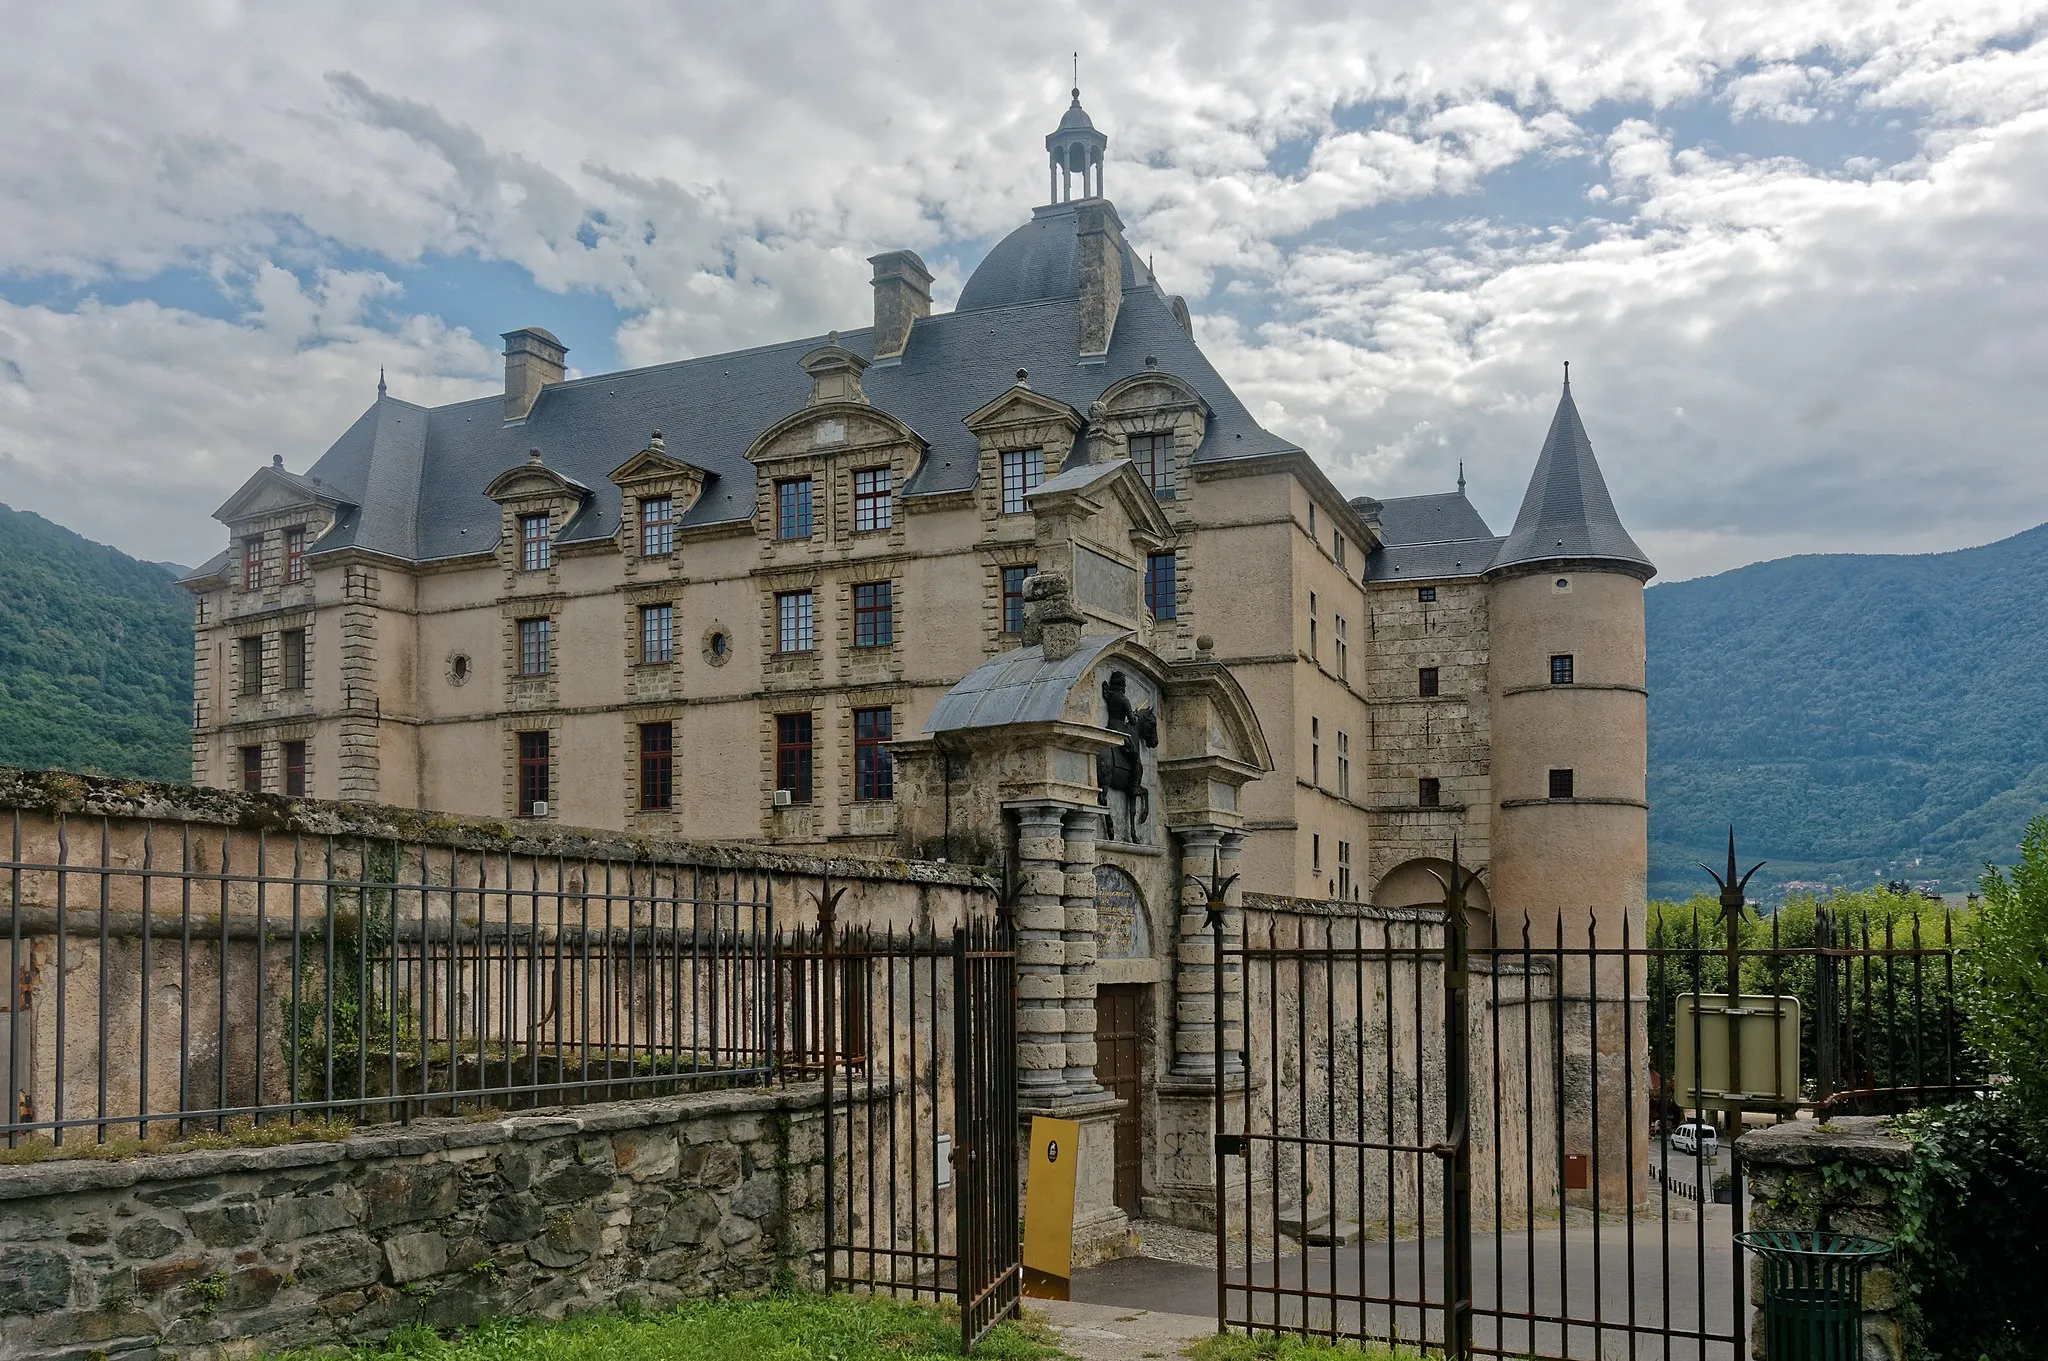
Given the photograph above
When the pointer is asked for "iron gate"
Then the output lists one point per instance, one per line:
(1466, 1146)
(915, 1035)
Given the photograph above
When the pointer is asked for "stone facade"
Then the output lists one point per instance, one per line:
(416, 693)
(237, 1252)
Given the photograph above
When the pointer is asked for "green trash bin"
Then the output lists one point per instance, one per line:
(1813, 1291)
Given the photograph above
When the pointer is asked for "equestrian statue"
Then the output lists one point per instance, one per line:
(1122, 768)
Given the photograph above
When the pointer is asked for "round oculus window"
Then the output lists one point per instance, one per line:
(717, 645)
(458, 667)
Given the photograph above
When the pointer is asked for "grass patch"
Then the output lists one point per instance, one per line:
(243, 1133)
(789, 1327)
(1266, 1347)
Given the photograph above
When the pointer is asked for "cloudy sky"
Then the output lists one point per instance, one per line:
(1794, 249)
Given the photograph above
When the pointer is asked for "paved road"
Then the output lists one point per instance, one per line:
(1683, 1275)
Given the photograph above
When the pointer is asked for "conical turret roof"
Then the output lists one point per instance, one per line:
(1567, 514)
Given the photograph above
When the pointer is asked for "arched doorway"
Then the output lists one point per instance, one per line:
(1420, 883)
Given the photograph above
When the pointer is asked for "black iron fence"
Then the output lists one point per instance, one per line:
(915, 1035)
(175, 981)
(1520, 1148)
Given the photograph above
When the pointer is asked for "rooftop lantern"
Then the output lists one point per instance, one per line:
(1073, 149)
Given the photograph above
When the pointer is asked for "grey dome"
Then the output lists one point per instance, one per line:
(1076, 118)
(1039, 260)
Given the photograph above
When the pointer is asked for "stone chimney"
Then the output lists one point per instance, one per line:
(1101, 260)
(1051, 619)
(533, 359)
(903, 293)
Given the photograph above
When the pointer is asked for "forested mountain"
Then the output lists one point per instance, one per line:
(1857, 717)
(95, 655)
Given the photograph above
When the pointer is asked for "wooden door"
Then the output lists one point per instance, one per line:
(1118, 1060)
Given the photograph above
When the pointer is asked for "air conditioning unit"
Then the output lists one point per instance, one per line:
(783, 798)
(540, 808)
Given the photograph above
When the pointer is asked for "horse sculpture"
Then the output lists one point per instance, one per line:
(1123, 768)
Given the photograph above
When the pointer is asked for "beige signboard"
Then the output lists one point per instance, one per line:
(1767, 1032)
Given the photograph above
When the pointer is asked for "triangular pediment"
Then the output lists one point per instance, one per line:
(1019, 405)
(650, 464)
(271, 491)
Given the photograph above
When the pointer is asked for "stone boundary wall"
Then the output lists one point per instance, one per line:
(1804, 1175)
(234, 1252)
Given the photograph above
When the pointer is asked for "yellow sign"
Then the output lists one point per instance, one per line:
(1767, 1029)
(1049, 1207)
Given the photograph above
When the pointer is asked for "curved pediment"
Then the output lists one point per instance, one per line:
(533, 480)
(1151, 390)
(828, 428)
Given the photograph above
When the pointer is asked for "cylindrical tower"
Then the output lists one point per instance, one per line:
(1569, 705)
(1571, 845)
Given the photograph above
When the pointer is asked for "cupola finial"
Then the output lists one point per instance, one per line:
(1461, 477)
(380, 380)
(1075, 148)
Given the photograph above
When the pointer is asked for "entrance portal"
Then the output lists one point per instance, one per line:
(1117, 1067)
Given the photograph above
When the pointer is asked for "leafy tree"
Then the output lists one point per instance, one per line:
(2009, 977)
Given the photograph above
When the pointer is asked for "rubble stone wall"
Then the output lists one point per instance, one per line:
(240, 1251)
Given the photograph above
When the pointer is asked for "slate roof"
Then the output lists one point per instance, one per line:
(1567, 514)
(413, 477)
(1019, 686)
(1431, 537)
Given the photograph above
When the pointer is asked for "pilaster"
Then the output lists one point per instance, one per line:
(1082, 948)
(1041, 953)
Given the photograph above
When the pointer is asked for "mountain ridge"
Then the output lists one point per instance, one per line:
(1855, 716)
(95, 655)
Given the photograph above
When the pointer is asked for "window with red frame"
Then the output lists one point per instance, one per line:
(657, 766)
(1013, 597)
(295, 554)
(252, 563)
(874, 773)
(295, 769)
(872, 507)
(874, 614)
(793, 753)
(533, 772)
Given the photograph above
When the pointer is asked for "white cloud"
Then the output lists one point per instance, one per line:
(1851, 334)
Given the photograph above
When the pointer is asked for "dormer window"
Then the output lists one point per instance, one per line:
(793, 508)
(1152, 456)
(1023, 471)
(252, 563)
(295, 554)
(657, 526)
(536, 548)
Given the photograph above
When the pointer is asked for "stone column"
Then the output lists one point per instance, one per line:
(1207, 850)
(1041, 954)
(1082, 946)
